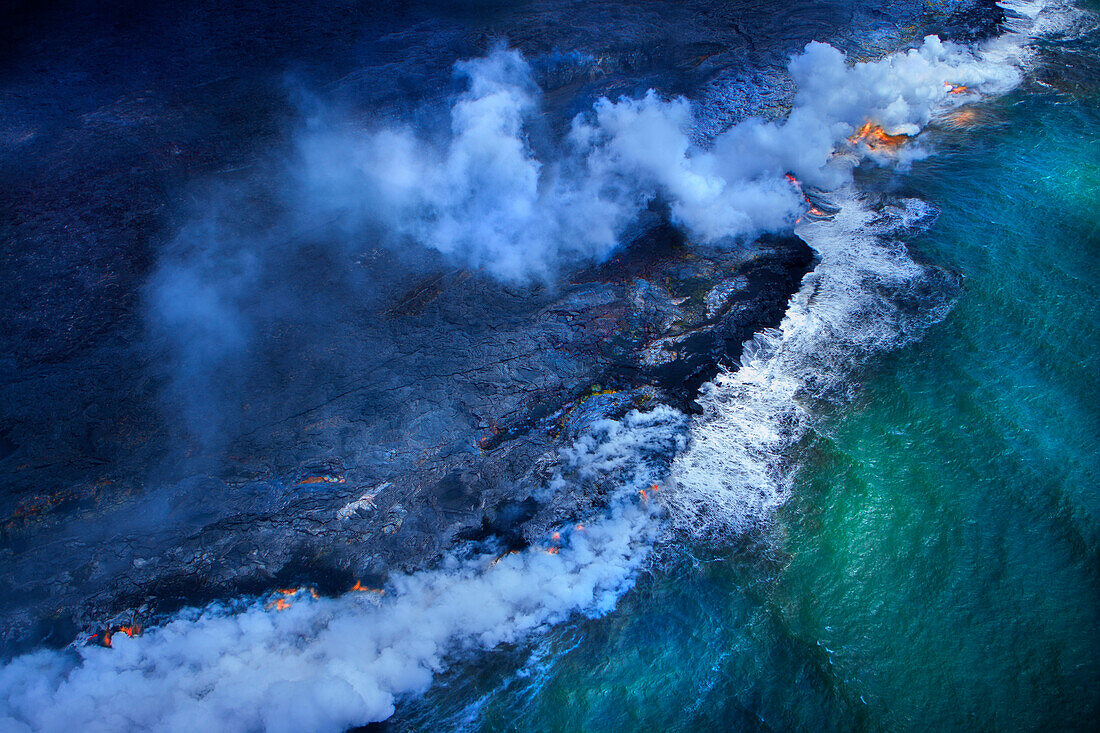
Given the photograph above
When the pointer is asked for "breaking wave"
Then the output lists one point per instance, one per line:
(329, 663)
(865, 296)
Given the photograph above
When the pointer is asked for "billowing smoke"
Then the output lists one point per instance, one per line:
(482, 197)
(320, 665)
(485, 199)
(328, 664)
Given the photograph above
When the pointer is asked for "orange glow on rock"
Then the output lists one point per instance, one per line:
(501, 557)
(360, 588)
(321, 480)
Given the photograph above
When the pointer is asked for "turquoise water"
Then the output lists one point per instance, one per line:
(938, 566)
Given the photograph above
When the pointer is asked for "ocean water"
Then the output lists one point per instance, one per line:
(937, 565)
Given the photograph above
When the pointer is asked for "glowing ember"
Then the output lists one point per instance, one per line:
(552, 551)
(643, 494)
(360, 588)
(873, 136)
(105, 638)
(580, 528)
(556, 536)
(321, 480)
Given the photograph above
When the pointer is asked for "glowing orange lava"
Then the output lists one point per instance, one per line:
(360, 588)
(105, 638)
(873, 136)
(282, 604)
(956, 88)
(643, 494)
(552, 551)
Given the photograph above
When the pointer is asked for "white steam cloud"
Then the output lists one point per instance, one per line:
(486, 200)
(319, 665)
(328, 664)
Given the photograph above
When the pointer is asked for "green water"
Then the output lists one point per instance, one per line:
(938, 567)
(945, 540)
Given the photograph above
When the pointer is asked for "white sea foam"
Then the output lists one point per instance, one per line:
(325, 664)
(859, 300)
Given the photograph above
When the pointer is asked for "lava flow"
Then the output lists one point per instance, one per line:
(813, 211)
(360, 588)
(873, 136)
(282, 604)
(104, 638)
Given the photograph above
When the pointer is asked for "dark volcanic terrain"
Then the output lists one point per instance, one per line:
(387, 406)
